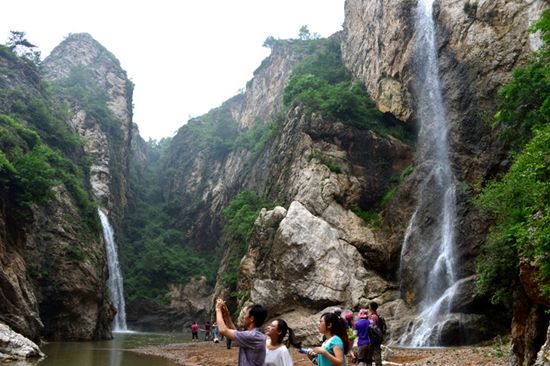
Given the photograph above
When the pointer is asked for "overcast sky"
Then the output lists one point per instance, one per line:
(184, 56)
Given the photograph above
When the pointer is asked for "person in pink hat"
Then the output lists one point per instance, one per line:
(364, 356)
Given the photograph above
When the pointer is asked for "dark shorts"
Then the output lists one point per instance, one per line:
(365, 353)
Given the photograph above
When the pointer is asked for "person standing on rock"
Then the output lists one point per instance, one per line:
(251, 341)
(277, 353)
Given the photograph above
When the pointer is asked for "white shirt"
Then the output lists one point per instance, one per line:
(279, 356)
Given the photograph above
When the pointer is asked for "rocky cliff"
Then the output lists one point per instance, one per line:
(53, 257)
(315, 252)
(203, 175)
(478, 44)
(108, 138)
(322, 169)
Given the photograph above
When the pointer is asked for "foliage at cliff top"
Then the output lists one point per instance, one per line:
(322, 84)
(520, 200)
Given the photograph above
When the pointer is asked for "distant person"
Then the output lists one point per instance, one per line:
(277, 353)
(334, 349)
(215, 332)
(352, 336)
(364, 353)
(207, 331)
(194, 332)
(376, 347)
(338, 311)
(251, 341)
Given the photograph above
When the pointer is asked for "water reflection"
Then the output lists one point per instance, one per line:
(108, 353)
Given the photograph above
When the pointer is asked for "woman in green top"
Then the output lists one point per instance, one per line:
(333, 350)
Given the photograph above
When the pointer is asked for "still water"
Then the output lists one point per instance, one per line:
(110, 353)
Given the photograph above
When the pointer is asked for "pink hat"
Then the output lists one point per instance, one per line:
(363, 314)
(349, 316)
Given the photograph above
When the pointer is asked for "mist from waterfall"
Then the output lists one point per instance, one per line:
(428, 246)
(116, 290)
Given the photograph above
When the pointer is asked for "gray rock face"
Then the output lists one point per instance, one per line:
(14, 346)
(53, 275)
(485, 42)
(478, 46)
(299, 266)
(262, 98)
(18, 303)
(308, 263)
(109, 153)
(543, 357)
(61, 249)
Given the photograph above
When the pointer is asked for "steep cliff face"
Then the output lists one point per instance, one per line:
(69, 266)
(108, 143)
(478, 44)
(202, 177)
(319, 253)
(319, 168)
(262, 98)
(53, 260)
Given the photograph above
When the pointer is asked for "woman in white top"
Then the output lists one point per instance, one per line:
(277, 353)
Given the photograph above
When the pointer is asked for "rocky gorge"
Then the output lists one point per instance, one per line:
(312, 249)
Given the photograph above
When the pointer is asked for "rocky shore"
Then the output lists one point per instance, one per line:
(212, 354)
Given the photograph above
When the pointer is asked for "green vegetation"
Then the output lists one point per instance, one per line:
(520, 201)
(216, 130)
(21, 46)
(154, 254)
(80, 88)
(525, 103)
(372, 216)
(256, 137)
(321, 84)
(29, 169)
(327, 161)
(470, 9)
(240, 214)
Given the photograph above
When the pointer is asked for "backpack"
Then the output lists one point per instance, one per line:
(377, 332)
(382, 325)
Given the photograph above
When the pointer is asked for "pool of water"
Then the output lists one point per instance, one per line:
(114, 352)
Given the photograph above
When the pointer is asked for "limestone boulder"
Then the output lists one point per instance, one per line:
(309, 265)
(13, 346)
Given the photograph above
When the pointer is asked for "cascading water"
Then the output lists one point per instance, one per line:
(428, 247)
(116, 290)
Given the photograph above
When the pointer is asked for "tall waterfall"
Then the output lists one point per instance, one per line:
(116, 290)
(428, 248)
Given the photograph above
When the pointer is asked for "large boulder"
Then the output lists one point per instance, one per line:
(13, 346)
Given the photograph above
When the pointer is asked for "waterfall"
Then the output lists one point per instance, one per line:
(116, 290)
(428, 247)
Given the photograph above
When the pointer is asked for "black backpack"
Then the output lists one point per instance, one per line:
(382, 325)
(377, 332)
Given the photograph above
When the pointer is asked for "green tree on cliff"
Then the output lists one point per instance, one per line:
(520, 200)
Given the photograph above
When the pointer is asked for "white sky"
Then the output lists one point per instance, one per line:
(185, 57)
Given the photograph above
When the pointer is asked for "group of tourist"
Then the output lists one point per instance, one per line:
(210, 332)
(270, 348)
